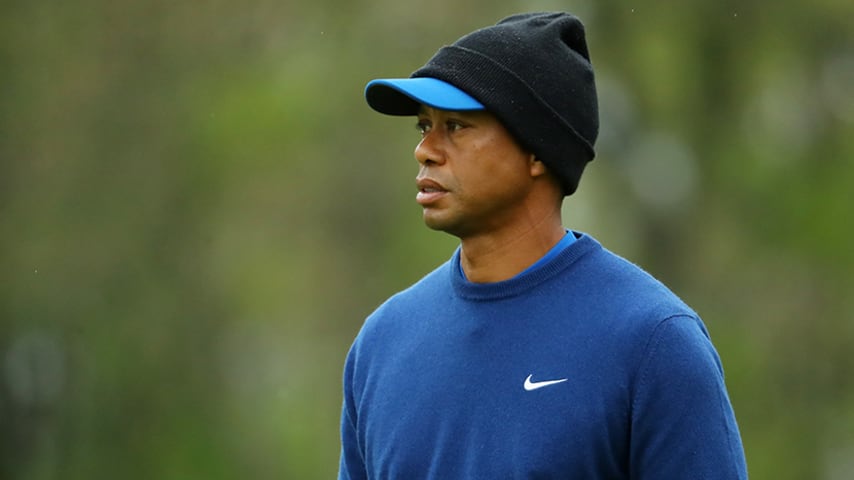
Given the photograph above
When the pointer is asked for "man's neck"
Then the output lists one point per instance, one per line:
(502, 255)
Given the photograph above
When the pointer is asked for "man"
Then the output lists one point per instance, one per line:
(533, 352)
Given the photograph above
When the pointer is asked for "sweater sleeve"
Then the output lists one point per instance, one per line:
(351, 464)
(682, 422)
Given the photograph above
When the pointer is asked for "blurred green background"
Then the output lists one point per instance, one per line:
(197, 211)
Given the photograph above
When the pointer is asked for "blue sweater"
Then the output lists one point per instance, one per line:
(584, 368)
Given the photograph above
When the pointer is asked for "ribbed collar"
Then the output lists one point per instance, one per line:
(525, 281)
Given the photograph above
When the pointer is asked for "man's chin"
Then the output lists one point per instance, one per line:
(442, 223)
(435, 220)
(434, 223)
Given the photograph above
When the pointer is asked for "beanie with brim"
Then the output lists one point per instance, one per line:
(532, 71)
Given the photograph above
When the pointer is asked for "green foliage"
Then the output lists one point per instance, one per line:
(198, 210)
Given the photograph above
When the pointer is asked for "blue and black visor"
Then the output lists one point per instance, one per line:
(404, 96)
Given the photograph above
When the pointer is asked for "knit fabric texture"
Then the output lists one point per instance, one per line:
(586, 367)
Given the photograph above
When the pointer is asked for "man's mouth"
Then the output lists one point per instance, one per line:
(429, 191)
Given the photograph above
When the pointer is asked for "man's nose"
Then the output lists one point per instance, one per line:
(429, 150)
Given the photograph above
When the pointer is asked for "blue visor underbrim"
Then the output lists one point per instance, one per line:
(404, 96)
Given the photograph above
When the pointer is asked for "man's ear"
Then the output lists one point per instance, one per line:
(536, 166)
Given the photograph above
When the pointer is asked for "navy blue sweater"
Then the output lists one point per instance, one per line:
(585, 368)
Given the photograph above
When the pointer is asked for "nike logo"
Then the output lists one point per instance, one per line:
(529, 385)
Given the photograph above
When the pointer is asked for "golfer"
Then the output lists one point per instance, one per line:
(533, 352)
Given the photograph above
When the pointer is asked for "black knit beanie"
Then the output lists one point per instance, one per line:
(533, 72)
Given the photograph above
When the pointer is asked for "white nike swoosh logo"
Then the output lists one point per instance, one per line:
(529, 385)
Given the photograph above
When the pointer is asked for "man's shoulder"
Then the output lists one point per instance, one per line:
(611, 273)
(435, 283)
(625, 292)
(395, 321)
(429, 288)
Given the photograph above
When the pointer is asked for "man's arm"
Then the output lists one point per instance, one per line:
(351, 464)
(682, 422)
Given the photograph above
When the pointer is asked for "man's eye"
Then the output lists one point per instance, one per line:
(453, 125)
(422, 127)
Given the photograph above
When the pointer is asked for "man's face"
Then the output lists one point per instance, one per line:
(474, 177)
